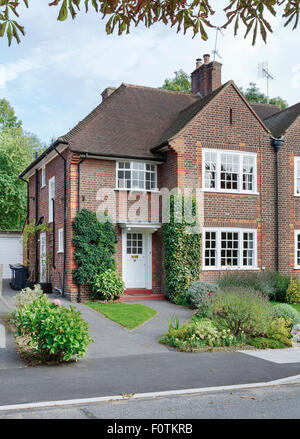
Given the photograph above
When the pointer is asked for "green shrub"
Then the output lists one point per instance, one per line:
(28, 295)
(266, 343)
(199, 334)
(293, 292)
(280, 329)
(107, 285)
(200, 295)
(56, 333)
(242, 310)
(182, 255)
(270, 283)
(94, 247)
(287, 312)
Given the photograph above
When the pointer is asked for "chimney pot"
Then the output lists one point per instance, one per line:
(198, 63)
(206, 58)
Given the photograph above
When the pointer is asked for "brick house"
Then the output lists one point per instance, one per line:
(142, 139)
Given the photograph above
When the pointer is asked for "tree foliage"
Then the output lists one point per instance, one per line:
(196, 15)
(8, 118)
(16, 152)
(181, 82)
(253, 94)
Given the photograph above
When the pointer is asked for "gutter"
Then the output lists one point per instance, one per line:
(36, 221)
(79, 208)
(277, 143)
(65, 218)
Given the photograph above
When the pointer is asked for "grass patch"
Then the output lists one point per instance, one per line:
(296, 307)
(128, 315)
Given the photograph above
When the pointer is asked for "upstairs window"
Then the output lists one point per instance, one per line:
(60, 240)
(297, 176)
(136, 175)
(43, 184)
(225, 171)
(51, 187)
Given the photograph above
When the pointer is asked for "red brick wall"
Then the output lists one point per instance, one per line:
(212, 129)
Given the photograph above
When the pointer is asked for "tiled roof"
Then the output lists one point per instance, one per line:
(280, 122)
(129, 122)
(265, 110)
(186, 115)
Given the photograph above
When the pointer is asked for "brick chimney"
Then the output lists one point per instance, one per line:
(207, 76)
(107, 92)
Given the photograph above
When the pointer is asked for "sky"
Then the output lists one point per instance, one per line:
(55, 77)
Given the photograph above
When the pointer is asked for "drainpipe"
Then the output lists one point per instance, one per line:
(36, 221)
(65, 219)
(27, 213)
(79, 208)
(277, 144)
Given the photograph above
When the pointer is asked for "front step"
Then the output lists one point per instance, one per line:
(131, 297)
(137, 292)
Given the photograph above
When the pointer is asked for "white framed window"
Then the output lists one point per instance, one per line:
(229, 171)
(43, 174)
(297, 176)
(60, 241)
(297, 249)
(229, 248)
(136, 175)
(51, 186)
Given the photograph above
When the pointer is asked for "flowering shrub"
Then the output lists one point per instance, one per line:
(28, 295)
(279, 329)
(242, 310)
(287, 312)
(293, 292)
(200, 295)
(295, 333)
(199, 334)
(55, 333)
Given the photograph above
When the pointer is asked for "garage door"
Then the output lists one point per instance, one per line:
(10, 252)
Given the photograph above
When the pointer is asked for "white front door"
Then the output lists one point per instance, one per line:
(135, 259)
(43, 262)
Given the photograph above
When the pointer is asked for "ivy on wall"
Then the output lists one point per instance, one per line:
(94, 247)
(182, 249)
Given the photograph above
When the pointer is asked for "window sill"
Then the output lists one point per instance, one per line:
(230, 269)
(60, 252)
(228, 191)
(156, 191)
(43, 186)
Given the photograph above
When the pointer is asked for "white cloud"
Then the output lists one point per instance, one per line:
(11, 71)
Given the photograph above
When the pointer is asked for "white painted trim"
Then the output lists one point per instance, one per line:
(218, 266)
(147, 241)
(60, 241)
(83, 401)
(296, 233)
(43, 177)
(296, 162)
(50, 210)
(131, 170)
(43, 237)
(218, 171)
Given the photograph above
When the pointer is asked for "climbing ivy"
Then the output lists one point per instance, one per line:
(182, 249)
(94, 247)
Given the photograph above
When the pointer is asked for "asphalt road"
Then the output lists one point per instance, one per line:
(277, 402)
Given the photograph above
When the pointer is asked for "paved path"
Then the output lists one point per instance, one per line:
(123, 361)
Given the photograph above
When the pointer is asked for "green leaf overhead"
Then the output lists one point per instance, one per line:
(184, 15)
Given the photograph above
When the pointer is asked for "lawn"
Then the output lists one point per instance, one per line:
(129, 315)
(297, 306)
